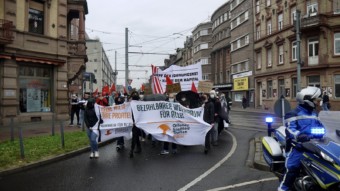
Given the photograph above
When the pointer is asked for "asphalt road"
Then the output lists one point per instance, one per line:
(224, 168)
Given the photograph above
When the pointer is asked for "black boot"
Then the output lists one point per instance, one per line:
(131, 154)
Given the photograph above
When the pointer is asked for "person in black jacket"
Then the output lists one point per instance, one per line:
(91, 119)
(325, 101)
(135, 130)
(217, 108)
(208, 117)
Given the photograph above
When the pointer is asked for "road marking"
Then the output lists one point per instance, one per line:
(244, 184)
(231, 152)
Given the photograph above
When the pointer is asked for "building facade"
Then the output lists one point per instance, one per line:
(242, 59)
(220, 51)
(276, 49)
(40, 65)
(202, 48)
(99, 65)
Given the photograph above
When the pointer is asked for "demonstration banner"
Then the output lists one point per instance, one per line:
(171, 122)
(117, 121)
(184, 75)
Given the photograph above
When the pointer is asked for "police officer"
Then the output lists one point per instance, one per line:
(298, 124)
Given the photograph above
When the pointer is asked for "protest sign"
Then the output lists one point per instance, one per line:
(183, 75)
(171, 122)
(205, 86)
(173, 88)
(117, 121)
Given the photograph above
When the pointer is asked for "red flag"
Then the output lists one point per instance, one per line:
(142, 88)
(193, 87)
(94, 94)
(105, 90)
(113, 88)
(168, 80)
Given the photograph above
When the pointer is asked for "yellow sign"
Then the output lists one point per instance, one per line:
(241, 83)
(205, 86)
(173, 88)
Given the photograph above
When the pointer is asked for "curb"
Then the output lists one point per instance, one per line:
(50, 159)
(259, 162)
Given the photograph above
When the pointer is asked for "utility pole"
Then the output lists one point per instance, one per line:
(298, 50)
(115, 77)
(126, 57)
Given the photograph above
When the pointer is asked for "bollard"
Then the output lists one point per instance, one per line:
(53, 118)
(12, 129)
(21, 142)
(62, 134)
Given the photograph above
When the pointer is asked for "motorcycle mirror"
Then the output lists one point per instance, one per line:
(337, 132)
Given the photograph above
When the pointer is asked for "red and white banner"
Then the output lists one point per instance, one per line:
(171, 122)
(184, 75)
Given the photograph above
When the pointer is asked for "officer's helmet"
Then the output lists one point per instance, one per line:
(308, 95)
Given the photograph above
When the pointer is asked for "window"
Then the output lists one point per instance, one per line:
(239, 20)
(225, 16)
(337, 43)
(269, 57)
(35, 88)
(258, 60)
(294, 87)
(294, 47)
(337, 85)
(204, 32)
(281, 83)
(269, 27)
(257, 6)
(280, 21)
(281, 54)
(240, 42)
(312, 8)
(242, 66)
(258, 32)
(227, 76)
(269, 89)
(36, 17)
(238, 96)
(314, 81)
(336, 6)
(268, 3)
(292, 15)
(205, 77)
(313, 51)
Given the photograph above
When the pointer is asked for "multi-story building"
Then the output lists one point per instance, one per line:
(187, 52)
(220, 51)
(202, 48)
(241, 42)
(99, 65)
(276, 49)
(39, 62)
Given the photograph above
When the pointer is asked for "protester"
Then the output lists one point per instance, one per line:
(92, 119)
(209, 118)
(165, 149)
(101, 100)
(120, 140)
(112, 98)
(82, 106)
(135, 130)
(74, 109)
(325, 101)
(217, 110)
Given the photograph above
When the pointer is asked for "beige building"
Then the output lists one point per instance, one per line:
(220, 51)
(40, 61)
(202, 48)
(276, 49)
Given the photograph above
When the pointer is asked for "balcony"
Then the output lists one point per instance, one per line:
(76, 48)
(6, 32)
(309, 22)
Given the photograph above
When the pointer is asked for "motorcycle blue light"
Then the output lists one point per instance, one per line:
(269, 120)
(318, 131)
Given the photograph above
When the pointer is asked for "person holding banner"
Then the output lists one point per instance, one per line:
(101, 100)
(92, 121)
(165, 149)
(208, 117)
(217, 109)
(120, 141)
(135, 130)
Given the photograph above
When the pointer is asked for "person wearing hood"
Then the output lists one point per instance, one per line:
(217, 110)
(92, 121)
(208, 117)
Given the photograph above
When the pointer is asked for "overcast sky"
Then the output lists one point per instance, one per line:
(155, 26)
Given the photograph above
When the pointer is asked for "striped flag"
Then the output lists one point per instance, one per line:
(156, 84)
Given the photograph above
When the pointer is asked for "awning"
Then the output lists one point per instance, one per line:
(40, 60)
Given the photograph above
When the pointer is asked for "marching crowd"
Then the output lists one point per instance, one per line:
(86, 112)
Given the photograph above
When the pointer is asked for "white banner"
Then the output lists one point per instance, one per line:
(184, 75)
(117, 121)
(171, 122)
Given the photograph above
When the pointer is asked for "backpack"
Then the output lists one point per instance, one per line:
(90, 117)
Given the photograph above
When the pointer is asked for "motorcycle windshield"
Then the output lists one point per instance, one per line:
(331, 121)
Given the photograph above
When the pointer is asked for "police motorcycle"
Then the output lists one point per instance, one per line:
(320, 169)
